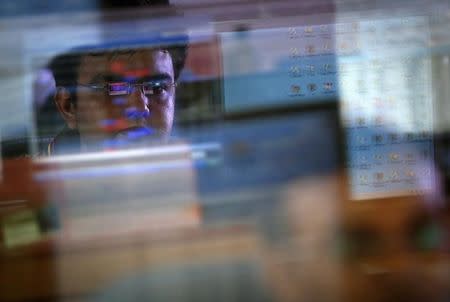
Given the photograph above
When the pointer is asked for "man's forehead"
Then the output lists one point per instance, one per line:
(136, 63)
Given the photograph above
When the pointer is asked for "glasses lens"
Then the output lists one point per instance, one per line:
(148, 88)
(157, 88)
(118, 88)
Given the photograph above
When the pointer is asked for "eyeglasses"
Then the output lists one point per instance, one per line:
(154, 88)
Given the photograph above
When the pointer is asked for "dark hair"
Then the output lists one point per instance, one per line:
(65, 67)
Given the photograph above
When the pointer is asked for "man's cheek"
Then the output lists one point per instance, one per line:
(161, 117)
(88, 116)
(170, 111)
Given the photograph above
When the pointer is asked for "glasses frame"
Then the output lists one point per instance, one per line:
(129, 87)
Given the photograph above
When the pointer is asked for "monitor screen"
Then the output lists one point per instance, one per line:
(266, 68)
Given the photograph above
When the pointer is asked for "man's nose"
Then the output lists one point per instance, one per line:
(137, 101)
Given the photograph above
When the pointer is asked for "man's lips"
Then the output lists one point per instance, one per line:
(131, 136)
(134, 133)
(113, 126)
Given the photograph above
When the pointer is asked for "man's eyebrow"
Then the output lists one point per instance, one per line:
(112, 77)
(106, 77)
(158, 77)
(150, 78)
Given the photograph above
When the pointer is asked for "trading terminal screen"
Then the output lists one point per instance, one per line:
(379, 70)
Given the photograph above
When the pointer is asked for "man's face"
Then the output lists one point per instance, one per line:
(102, 114)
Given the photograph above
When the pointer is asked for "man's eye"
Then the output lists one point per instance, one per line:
(118, 88)
(154, 88)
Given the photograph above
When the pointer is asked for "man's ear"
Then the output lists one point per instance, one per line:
(66, 106)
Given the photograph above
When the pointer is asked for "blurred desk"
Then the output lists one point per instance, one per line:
(97, 243)
(52, 269)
